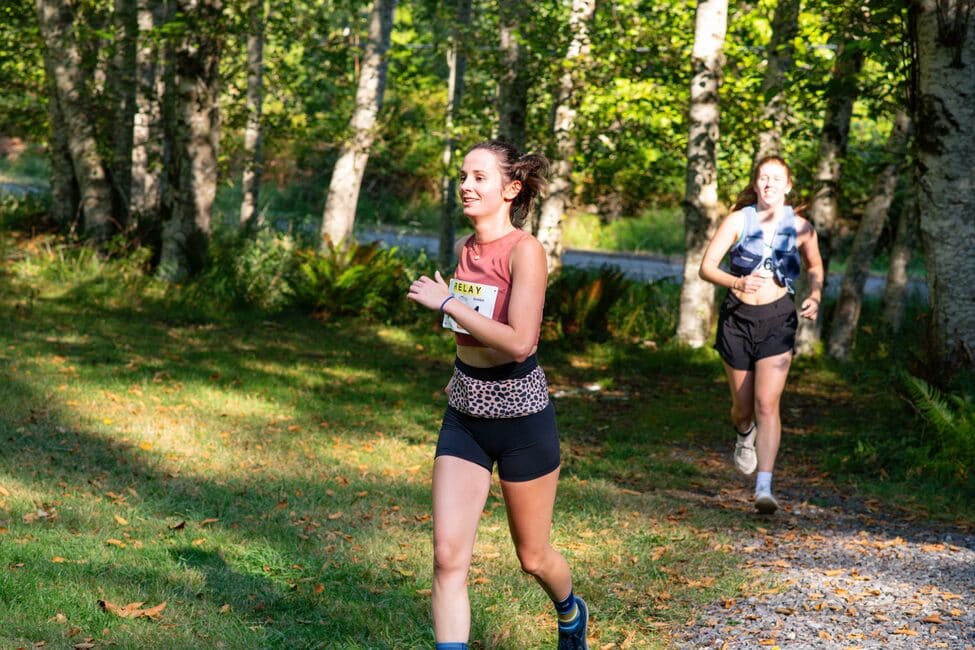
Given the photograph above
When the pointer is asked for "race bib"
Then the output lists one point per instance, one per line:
(479, 297)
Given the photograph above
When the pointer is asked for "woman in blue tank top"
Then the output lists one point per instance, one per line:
(766, 241)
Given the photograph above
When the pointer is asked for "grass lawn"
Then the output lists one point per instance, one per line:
(171, 478)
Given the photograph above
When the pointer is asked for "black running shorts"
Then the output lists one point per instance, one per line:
(747, 333)
(524, 448)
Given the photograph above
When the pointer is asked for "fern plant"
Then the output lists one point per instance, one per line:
(578, 303)
(951, 433)
(357, 279)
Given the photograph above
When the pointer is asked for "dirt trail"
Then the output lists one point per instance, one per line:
(848, 575)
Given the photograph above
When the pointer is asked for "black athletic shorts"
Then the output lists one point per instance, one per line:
(524, 448)
(747, 333)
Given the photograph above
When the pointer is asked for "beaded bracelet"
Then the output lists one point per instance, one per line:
(445, 301)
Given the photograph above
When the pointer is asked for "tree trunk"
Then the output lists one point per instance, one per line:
(560, 186)
(253, 164)
(194, 129)
(895, 291)
(847, 312)
(456, 65)
(513, 81)
(65, 198)
(824, 209)
(943, 36)
(148, 154)
(57, 29)
(122, 93)
(343, 189)
(775, 114)
(701, 209)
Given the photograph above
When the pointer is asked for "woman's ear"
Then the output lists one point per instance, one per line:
(511, 190)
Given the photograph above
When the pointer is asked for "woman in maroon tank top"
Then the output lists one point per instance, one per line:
(498, 408)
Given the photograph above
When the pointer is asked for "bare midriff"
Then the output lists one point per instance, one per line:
(484, 357)
(769, 292)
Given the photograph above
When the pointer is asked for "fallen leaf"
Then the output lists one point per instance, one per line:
(178, 526)
(121, 521)
(133, 610)
(145, 445)
(934, 618)
(208, 521)
(905, 631)
(115, 542)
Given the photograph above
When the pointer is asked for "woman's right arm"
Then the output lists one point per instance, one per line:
(722, 241)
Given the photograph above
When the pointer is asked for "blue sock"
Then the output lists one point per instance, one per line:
(451, 646)
(568, 613)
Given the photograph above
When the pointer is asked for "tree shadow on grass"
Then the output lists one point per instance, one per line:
(270, 584)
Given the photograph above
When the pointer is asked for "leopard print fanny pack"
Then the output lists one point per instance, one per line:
(500, 398)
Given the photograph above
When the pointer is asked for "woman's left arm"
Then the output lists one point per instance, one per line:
(808, 244)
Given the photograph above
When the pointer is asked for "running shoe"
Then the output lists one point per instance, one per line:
(746, 460)
(765, 503)
(576, 639)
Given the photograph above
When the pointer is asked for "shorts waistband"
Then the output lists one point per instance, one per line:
(734, 302)
(512, 370)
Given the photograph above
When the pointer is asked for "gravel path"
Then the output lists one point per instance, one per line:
(844, 576)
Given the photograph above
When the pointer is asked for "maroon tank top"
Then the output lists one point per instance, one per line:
(489, 264)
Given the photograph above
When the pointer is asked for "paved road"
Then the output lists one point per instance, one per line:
(648, 268)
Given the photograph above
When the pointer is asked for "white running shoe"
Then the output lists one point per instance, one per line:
(765, 503)
(746, 460)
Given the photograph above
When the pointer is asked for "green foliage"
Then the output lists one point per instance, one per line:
(646, 312)
(22, 91)
(361, 280)
(251, 269)
(656, 230)
(947, 447)
(578, 301)
(20, 211)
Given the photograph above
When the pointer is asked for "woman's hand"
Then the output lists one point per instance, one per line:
(429, 292)
(810, 307)
(749, 283)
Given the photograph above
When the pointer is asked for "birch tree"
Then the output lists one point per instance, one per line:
(193, 127)
(148, 143)
(779, 56)
(456, 65)
(122, 92)
(253, 163)
(559, 195)
(513, 81)
(338, 219)
(701, 207)
(65, 198)
(895, 289)
(847, 312)
(943, 37)
(824, 207)
(58, 30)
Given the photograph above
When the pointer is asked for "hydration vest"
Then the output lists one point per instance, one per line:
(780, 257)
